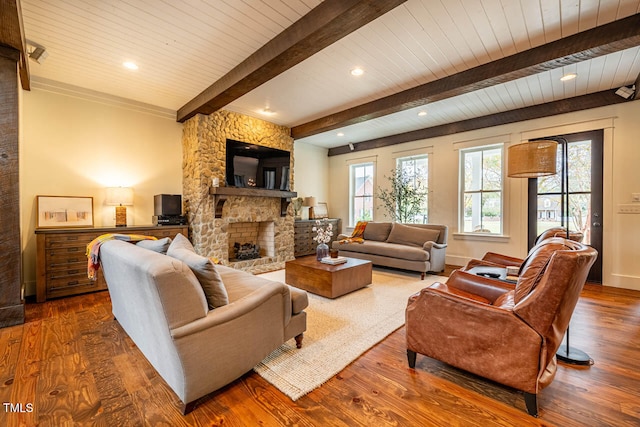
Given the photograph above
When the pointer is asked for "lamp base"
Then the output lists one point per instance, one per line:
(573, 356)
(121, 216)
(312, 215)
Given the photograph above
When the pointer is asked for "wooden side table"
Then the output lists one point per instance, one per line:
(61, 263)
(327, 280)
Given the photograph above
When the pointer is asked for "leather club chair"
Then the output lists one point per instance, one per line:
(505, 334)
(492, 259)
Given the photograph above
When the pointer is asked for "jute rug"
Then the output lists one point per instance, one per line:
(340, 330)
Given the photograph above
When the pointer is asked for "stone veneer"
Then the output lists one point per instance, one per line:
(204, 141)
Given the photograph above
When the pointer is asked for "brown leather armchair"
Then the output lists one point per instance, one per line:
(492, 259)
(504, 334)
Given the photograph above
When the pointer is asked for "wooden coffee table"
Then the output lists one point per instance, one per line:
(327, 280)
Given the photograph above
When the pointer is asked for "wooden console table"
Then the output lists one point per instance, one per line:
(61, 263)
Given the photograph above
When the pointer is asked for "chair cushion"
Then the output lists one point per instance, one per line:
(414, 236)
(391, 250)
(204, 269)
(378, 231)
(160, 245)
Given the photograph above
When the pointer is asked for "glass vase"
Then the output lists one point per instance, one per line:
(322, 251)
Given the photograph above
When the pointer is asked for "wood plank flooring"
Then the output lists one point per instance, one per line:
(71, 364)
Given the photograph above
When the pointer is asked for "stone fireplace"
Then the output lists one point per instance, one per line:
(216, 221)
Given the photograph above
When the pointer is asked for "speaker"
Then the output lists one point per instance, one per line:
(167, 204)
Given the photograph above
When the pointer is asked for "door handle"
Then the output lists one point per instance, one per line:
(596, 224)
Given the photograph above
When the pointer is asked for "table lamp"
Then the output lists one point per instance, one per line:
(120, 197)
(310, 202)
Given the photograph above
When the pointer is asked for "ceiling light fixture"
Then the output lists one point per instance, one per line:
(422, 113)
(36, 52)
(357, 72)
(339, 134)
(568, 77)
(130, 65)
(267, 111)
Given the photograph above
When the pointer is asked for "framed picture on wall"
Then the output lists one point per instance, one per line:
(64, 211)
(321, 211)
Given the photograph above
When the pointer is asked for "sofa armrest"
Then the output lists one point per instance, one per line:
(234, 310)
(437, 252)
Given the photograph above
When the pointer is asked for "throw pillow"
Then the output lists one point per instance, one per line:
(412, 236)
(160, 245)
(204, 269)
(378, 231)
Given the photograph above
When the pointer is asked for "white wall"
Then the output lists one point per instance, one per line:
(621, 177)
(310, 173)
(78, 143)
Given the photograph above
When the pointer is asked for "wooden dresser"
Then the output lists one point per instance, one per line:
(61, 263)
(304, 243)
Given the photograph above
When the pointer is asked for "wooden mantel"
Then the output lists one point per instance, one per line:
(221, 194)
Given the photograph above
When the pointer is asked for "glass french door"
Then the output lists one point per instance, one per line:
(546, 195)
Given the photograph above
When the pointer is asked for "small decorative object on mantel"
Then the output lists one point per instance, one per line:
(297, 207)
(324, 231)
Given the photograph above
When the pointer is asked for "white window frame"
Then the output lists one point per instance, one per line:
(399, 163)
(463, 192)
(352, 190)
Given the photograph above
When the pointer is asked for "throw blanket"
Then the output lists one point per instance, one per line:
(357, 235)
(93, 249)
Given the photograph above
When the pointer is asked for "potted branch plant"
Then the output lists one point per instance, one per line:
(403, 200)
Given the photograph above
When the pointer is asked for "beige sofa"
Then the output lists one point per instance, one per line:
(415, 247)
(161, 304)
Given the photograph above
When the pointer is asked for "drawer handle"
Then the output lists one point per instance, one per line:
(72, 237)
(72, 283)
(73, 249)
(73, 260)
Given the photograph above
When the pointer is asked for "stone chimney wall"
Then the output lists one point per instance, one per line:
(204, 156)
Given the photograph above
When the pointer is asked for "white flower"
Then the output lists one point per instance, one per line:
(324, 231)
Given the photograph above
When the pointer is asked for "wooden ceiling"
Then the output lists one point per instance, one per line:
(466, 63)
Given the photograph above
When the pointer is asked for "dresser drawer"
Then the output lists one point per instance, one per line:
(61, 261)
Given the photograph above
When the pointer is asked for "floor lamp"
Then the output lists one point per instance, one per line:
(536, 159)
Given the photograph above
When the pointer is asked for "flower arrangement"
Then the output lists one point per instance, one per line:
(324, 231)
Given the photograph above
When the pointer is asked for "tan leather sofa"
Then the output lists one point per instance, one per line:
(414, 247)
(506, 334)
(160, 303)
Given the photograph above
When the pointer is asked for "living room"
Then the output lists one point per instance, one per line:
(76, 141)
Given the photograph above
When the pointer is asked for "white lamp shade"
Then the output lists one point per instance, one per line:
(117, 196)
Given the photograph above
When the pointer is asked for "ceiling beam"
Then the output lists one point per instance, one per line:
(327, 23)
(603, 40)
(12, 35)
(568, 105)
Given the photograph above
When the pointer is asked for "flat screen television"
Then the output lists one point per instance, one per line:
(251, 165)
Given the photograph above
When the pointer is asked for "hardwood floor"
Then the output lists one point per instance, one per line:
(71, 364)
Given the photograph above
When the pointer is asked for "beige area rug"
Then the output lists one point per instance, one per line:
(340, 330)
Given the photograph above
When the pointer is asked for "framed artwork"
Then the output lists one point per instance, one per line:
(64, 211)
(321, 211)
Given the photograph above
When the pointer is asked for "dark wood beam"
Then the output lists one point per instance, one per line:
(603, 40)
(12, 35)
(327, 23)
(578, 103)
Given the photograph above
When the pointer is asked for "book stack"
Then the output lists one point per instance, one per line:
(334, 261)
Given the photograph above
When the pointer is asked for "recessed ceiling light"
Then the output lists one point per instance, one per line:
(267, 111)
(568, 77)
(339, 134)
(422, 113)
(130, 65)
(357, 72)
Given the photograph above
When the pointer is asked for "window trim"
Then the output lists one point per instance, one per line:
(461, 234)
(415, 157)
(352, 167)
